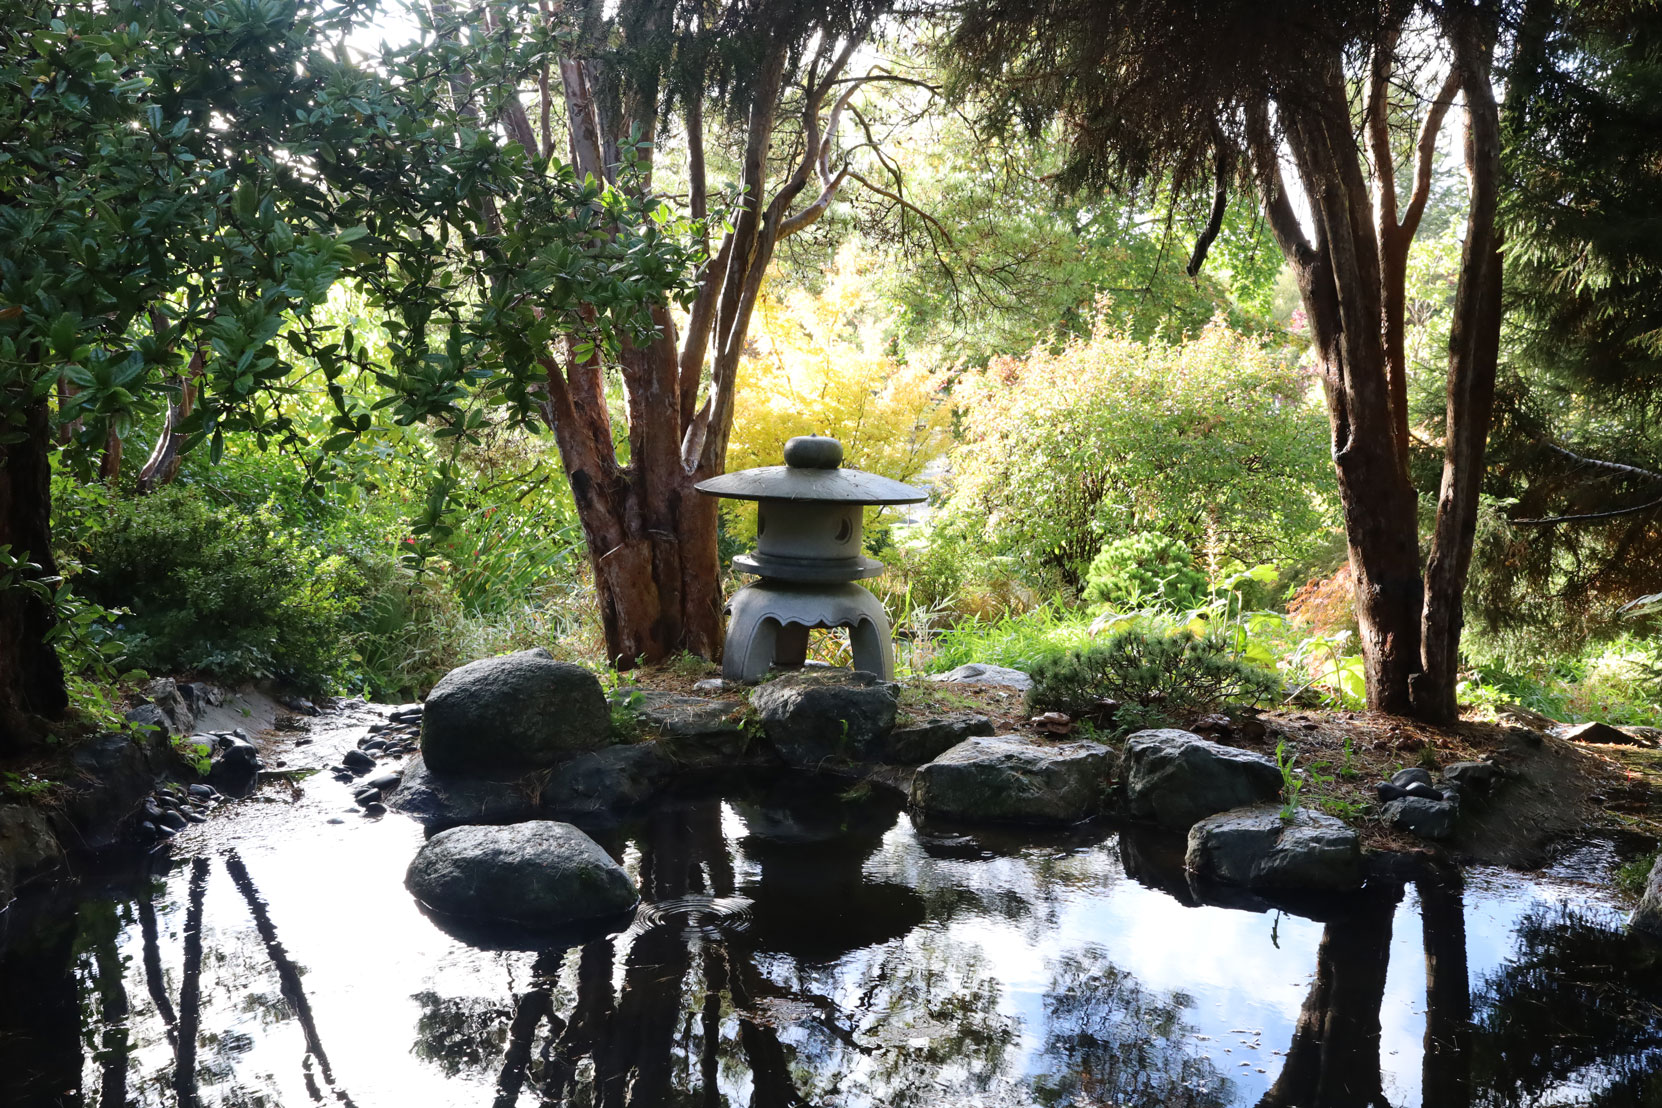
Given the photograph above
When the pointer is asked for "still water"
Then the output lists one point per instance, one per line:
(803, 948)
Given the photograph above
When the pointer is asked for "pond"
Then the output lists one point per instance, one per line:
(799, 946)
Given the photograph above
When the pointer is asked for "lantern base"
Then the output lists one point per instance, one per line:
(771, 619)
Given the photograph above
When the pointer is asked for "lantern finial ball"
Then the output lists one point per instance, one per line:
(813, 452)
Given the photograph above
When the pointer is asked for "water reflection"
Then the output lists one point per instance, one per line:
(803, 948)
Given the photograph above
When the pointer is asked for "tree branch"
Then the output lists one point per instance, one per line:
(1426, 152)
(1657, 503)
(1278, 210)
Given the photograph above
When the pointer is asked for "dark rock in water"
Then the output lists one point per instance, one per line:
(826, 714)
(1422, 790)
(358, 759)
(1389, 792)
(1413, 775)
(1601, 733)
(194, 817)
(28, 848)
(112, 775)
(599, 785)
(1647, 917)
(518, 712)
(367, 796)
(173, 820)
(928, 739)
(979, 673)
(1429, 819)
(1013, 779)
(1478, 775)
(387, 780)
(1256, 848)
(538, 874)
(202, 790)
(236, 761)
(299, 705)
(1174, 778)
(616, 779)
(375, 808)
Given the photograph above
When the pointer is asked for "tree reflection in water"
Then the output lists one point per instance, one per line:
(1111, 1041)
(874, 967)
(1574, 1018)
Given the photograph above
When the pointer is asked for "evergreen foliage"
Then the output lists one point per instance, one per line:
(1153, 676)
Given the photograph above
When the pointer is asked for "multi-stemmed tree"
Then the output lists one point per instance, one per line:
(1207, 98)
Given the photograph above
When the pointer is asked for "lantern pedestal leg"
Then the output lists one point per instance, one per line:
(770, 620)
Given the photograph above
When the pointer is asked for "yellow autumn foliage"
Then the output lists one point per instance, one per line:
(817, 365)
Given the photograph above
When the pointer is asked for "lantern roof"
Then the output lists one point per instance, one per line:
(812, 471)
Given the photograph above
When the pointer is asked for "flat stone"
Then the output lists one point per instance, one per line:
(1601, 733)
(1015, 779)
(516, 712)
(1413, 775)
(1256, 848)
(1174, 778)
(819, 715)
(926, 740)
(980, 673)
(686, 717)
(540, 874)
(1429, 819)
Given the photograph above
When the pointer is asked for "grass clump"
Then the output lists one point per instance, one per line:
(1145, 676)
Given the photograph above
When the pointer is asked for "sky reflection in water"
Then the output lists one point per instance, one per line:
(849, 959)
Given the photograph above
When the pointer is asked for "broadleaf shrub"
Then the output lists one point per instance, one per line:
(1154, 675)
(222, 591)
(1145, 569)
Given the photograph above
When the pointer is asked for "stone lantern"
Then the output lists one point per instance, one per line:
(808, 556)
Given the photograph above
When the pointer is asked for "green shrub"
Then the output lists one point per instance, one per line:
(1156, 677)
(1145, 569)
(222, 591)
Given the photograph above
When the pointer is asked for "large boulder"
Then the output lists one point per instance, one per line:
(1174, 778)
(515, 712)
(1255, 848)
(1014, 779)
(1648, 916)
(541, 875)
(819, 715)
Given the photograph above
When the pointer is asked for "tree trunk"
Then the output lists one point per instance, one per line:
(1340, 279)
(1474, 349)
(651, 535)
(31, 677)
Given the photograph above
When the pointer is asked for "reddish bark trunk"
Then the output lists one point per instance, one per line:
(1340, 281)
(31, 677)
(651, 536)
